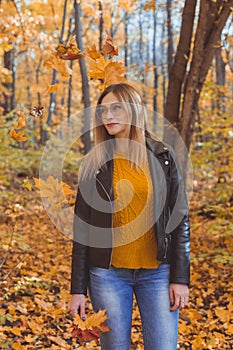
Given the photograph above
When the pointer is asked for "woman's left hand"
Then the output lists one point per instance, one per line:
(179, 294)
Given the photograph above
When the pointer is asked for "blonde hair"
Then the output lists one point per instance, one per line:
(104, 143)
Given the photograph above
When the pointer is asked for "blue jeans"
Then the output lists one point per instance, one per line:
(113, 289)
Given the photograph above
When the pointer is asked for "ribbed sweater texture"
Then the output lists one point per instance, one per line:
(135, 244)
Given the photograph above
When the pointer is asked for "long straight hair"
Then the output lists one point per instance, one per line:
(104, 143)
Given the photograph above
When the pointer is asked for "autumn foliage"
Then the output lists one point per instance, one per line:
(35, 256)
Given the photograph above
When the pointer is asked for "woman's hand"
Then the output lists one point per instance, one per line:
(179, 294)
(77, 305)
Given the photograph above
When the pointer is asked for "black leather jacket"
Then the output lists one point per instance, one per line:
(93, 228)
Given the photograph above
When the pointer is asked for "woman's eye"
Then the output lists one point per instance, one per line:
(116, 108)
(102, 110)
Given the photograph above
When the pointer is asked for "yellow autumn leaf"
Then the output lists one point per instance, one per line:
(193, 314)
(93, 53)
(43, 305)
(94, 320)
(108, 47)
(55, 191)
(29, 338)
(230, 328)
(17, 346)
(223, 314)
(21, 120)
(59, 341)
(114, 73)
(35, 327)
(55, 62)
(61, 49)
(16, 331)
(28, 185)
(150, 5)
(197, 344)
(51, 187)
(69, 51)
(97, 68)
(17, 136)
(50, 89)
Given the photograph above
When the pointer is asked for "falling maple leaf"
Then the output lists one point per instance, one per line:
(17, 136)
(93, 53)
(37, 111)
(97, 68)
(54, 61)
(28, 184)
(108, 47)
(70, 51)
(150, 5)
(50, 89)
(57, 192)
(21, 120)
(114, 73)
(91, 328)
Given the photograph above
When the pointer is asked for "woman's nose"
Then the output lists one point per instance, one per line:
(109, 114)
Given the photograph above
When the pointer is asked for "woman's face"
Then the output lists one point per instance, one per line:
(114, 116)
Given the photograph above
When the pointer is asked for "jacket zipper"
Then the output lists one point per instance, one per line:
(109, 198)
(165, 238)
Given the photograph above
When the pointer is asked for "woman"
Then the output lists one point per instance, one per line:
(131, 227)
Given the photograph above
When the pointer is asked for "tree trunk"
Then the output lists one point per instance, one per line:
(9, 97)
(178, 70)
(212, 19)
(126, 39)
(186, 123)
(220, 66)
(140, 51)
(155, 102)
(101, 25)
(52, 102)
(70, 93)
(170, 49)
(206, 41)
(86, 119)
(163, 69)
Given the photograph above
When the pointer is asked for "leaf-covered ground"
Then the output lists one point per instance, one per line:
(35, 272)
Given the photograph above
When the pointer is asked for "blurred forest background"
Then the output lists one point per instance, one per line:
(55, 59)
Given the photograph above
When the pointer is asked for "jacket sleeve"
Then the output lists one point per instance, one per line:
(80, 266)
(179, 228)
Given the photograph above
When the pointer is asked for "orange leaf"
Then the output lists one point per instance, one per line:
(97, 67)
(86, 335)
(91, 328)
(35, 327)
(17, 136)
(54, 190)
(108, 46)
(96, 319)
(69, 52)
(114, 73)
(150, 5)
(29, 338)
(17, 346)
(51, 88)
(223, 314)
(59, 341)
(55, 62)
(197, 344)
(16, 331)
(93, 53)
(21, 120)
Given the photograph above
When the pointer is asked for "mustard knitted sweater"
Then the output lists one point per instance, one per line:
(135, 244)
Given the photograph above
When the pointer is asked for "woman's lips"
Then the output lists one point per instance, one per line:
(111, 124)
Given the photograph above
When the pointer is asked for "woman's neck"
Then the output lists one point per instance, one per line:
(122, 145)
